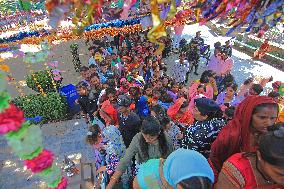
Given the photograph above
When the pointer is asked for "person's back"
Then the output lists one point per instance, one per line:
(129, 126)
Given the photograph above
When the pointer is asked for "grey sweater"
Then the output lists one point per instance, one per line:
(134, 149)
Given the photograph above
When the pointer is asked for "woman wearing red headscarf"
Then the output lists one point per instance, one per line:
(180, 112)
(252, 118)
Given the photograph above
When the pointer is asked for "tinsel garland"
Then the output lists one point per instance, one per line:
(43, 32)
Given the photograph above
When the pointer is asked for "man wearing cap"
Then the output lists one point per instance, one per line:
(129, 122)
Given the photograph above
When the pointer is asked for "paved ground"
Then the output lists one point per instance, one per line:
(244, 66)
(66, 138)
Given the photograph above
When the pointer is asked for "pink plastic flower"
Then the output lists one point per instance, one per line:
(11, 119)
(62, 184)
(41, 162)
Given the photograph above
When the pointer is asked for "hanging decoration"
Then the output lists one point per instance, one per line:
(158, 30)
(255, 14)
(5, 73)
(26, 142)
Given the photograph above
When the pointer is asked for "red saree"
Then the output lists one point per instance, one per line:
(239, 170)
(235, 136)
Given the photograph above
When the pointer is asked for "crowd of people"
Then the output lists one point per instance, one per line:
(150, 127)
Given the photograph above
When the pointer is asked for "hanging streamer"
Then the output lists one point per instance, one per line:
(158, 29)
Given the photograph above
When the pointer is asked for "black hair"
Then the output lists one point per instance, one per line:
(274, 94)
(210, 73)
(81, 84)
(92, 66)
(264, 105)
(166, 98)
(159, 110)
(165, 120)
(151, 126)
(202, 86)
(111, 83)
(147, 86)
(248, 81)
(257, 88)
(230, 111)
(204, 77)
(110, 91)
(197, 182)
(229, 79)
(211, 115)
(234, 86)
(184, 104)
(94, 75)
(271, 146)
(217, 45)
(84, 68)
(173, 83)
(270, 79)
(93, 134)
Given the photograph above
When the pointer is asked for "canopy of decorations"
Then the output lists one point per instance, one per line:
(99, 17)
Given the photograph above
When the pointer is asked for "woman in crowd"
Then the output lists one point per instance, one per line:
(150, 143)
(173, 91)
(180, 112)
(204, 79)
(108, 109)
(229, 97)
(244, 89)
(262, 169)
(280, 100)
(253, 117)
(175, 172)
(204, 131)
(108, 149)
(124, 86)
(172, 130)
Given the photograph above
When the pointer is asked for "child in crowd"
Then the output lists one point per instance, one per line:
(85, 74)
(108, 150)
(87, 101)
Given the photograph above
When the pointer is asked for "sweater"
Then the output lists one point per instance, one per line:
(134, 149)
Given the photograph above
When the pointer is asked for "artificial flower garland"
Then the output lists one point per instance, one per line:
(26, 142)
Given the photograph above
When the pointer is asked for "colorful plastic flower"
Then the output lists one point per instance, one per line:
(41, 162)
(11, 119)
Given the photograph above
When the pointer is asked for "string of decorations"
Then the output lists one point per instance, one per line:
(254, 13)
(5, 73)
(26, 142)
(43, 32)
(21, 35)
